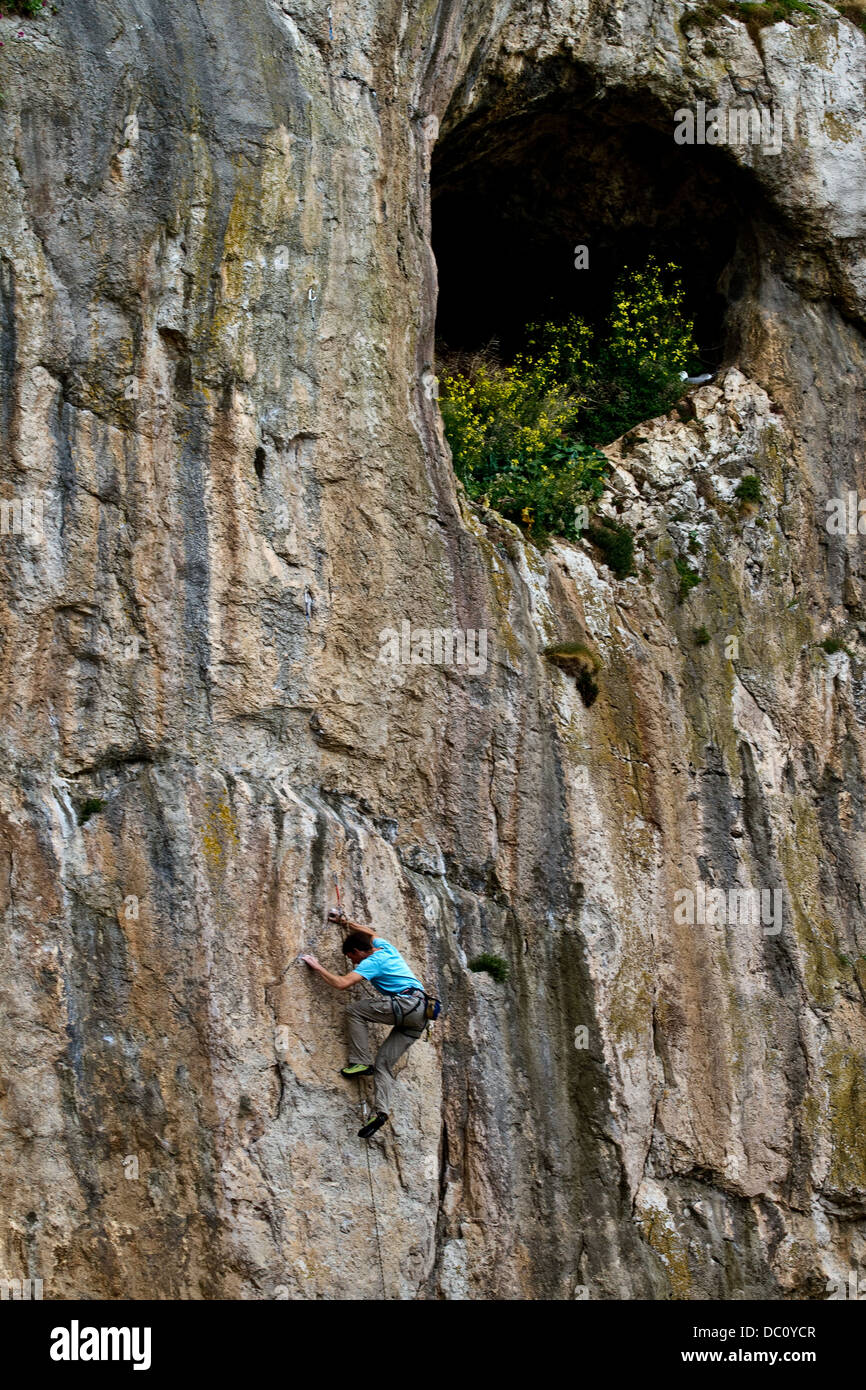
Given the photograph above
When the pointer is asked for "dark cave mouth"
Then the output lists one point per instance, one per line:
(514, 197)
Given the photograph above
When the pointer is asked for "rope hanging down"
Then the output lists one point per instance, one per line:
(373, 1204)
(367, 1146)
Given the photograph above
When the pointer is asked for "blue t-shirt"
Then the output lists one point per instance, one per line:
(386, 969)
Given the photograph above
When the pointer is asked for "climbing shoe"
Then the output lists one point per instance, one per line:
(356, 1069)
(376, 1123)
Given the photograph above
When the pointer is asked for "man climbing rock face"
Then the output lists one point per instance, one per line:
(404, 1004)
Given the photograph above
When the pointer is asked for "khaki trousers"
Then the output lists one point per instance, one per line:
(380, 1010)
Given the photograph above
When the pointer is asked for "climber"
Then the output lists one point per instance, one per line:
(404, 1004)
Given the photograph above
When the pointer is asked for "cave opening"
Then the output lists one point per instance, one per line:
(515, 192)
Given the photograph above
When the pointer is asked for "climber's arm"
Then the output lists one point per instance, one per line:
(338, 981)
(355, 926)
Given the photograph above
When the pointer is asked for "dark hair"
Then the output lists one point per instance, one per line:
(356, 941)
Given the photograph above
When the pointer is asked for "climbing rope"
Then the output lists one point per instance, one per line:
(373, 1204)
(367, 1146)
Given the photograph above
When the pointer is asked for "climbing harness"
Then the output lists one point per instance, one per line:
(401, 1010)
(432, 1010)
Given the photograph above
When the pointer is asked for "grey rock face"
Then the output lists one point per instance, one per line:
(218, 418)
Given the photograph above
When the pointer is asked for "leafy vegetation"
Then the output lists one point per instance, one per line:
(89, 807)
(616, 544)
(757, 14)
(688, 578)
(832, 645)
(29, 8)
(512, 432)
(491, 965)
(702, 636)
(766, 12)
(647, 343)
(748, 489)
(526, 437)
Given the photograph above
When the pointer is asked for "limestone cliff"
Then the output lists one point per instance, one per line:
(217, 306)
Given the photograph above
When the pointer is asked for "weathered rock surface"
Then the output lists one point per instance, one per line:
(216, 340)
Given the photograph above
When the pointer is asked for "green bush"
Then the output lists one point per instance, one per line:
(544, 493)
(616, 544)
(648, 341)
(748, 489)
(513, 440)
(832, 645)
(702, 636)
(688, 578)
(491, 965)
(23, 7)
(525, 438)
(88, 808)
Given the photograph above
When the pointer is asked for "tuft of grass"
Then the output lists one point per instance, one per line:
(688, 578)
(581, 663)
(28, 8)
(490, 965)
(832, 645)
(748, 489)
(616, 544)
(855, 14)
(572, 655)
(756, 15)
(89, 807)
(776, 11)
(702, 636)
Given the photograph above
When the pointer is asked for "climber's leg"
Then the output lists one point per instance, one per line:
(397, 1042)
(369, 1129)
(358, 1014)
